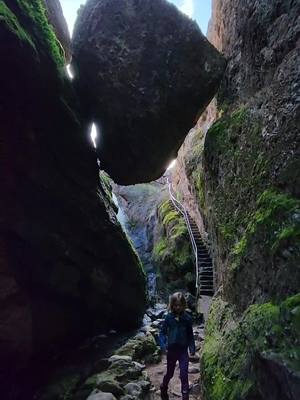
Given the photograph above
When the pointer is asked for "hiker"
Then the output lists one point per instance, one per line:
(176, 337)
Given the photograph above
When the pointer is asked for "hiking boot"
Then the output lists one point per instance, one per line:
(164, 392)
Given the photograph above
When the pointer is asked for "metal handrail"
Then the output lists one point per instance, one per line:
(183, 211)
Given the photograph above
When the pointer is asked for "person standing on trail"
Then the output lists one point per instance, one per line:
(176, 337)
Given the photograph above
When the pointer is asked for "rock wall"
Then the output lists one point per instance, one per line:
(245, 179)
(63, 256)
(172, 252)
(138, 204)
(57, 20)
(159, 235)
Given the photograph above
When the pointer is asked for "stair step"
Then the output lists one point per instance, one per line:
(205, 285)
(206, 278)
(206, 282)
(206, 293)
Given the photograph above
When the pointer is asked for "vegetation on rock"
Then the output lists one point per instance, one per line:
(34, 13)
(234, 349)
(9, 18)
(172, 252)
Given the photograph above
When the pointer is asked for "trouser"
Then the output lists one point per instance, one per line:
(181, 355)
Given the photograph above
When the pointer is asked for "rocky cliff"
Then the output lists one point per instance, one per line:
(145, 72)
(243, 174)
(57, 20)
(159, 234)
(62, 255)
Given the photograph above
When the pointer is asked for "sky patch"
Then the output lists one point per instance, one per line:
(198, 10)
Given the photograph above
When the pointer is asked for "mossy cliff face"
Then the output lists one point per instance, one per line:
(66, 267)
(253, 356)
(57, 20)
(245, 179)
(138, 204)
(172, 251)
(254, 221)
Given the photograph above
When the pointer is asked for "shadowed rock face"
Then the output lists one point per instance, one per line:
(63, 256)
(146, 72)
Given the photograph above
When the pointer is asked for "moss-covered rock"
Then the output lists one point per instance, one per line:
(142, 348)
(250, 219)
(124, 370)
(235, 348)
(172, 251)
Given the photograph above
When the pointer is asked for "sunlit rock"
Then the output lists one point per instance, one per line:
(58, 21)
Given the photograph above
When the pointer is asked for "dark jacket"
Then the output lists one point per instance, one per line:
(178, 333)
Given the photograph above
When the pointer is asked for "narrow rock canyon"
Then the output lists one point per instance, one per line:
(91, 242)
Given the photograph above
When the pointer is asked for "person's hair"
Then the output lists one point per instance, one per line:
(177, 297)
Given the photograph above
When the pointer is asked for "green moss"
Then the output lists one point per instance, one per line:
(234, 150)
(179, 230)
(172, 252)
(42, 32)
(12, 22)
(105, 181)
(231, 346)
(198, 178)
(160, 248)
(170, 216)
(142, 348)
(276, 220)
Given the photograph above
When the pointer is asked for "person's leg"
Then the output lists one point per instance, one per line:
(184, 374)
(171, 363)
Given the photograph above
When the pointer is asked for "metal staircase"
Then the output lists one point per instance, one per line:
(203, 261)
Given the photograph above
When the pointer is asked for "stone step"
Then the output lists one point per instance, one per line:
(207, 289)
(203, 249)
(206, 278)
(203, 255)
(206, 272)
(206, 292)
(206, 285)
(205, 264)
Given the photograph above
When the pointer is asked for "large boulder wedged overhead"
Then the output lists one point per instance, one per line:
(146, 72)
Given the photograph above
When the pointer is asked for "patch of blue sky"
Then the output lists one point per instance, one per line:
(199, 10)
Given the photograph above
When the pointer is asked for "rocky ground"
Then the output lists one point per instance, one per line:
(136, 369)
(156, 372)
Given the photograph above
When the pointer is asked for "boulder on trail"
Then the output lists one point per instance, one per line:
(145, 72)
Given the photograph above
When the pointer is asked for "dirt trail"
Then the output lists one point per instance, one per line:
(157, 371)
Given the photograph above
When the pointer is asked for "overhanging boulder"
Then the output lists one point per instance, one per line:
(146, 72)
